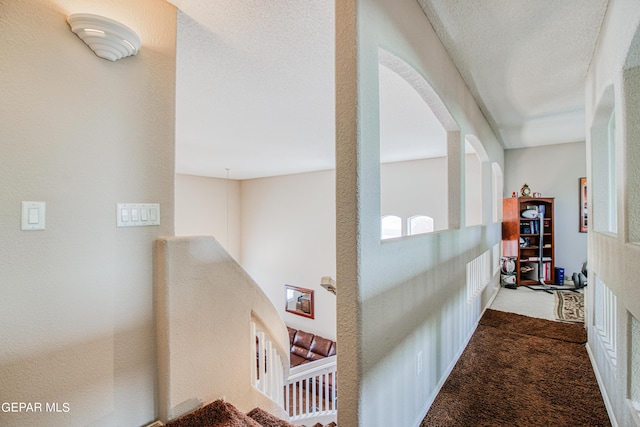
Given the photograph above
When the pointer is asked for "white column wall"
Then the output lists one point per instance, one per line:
(402, 297)
(613, 257)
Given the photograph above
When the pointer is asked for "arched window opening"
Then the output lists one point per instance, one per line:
(603, 148)
(415, 134)
(420, 224)
(390, 227)
(475, 159)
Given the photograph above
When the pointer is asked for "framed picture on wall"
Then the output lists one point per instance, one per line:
(583, 228)
(299, 301)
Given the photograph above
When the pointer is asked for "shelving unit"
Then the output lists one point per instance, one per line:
(521, 238)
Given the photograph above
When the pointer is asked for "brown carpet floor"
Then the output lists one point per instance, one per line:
(521, 371)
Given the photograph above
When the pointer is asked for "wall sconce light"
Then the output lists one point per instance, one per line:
(329, 284)
(107, 38)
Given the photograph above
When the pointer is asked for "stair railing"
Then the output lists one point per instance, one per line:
(311, 391)
(268, 376)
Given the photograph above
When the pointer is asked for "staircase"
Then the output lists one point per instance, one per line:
(224, 414)
(212, 321)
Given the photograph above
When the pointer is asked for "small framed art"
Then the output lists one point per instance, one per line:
(583, 221)
(299, 301)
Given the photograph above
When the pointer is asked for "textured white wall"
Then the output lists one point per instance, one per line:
(288, 237)
(635, 363)
(204, 305)
(612, 257)
(554, 171)
(82, 134)
(209, 207)
(415, 187)
(405, 296)
(473, 190)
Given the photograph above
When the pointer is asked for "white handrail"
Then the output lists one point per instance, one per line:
(311, 390)
(310, 368)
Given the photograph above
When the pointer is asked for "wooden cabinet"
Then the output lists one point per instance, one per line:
(532, 251)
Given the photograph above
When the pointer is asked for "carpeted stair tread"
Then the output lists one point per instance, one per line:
(519, 324)
(223, 414)
(331, 424)
(216, 414)
(265, 419)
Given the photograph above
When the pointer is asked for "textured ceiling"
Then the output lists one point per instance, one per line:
(255, 80)
(254, 89)
(524, 61)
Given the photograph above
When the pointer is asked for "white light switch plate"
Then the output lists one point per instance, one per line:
(137, 214)
(33, 214)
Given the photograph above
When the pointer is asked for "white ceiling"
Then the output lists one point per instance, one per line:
(524, 61)
(255, 80)
(255, 87)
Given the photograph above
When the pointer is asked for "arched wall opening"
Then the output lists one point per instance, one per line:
(417, 138)
(476, 163)
(497, 189)
(631, 89)
(603, 186)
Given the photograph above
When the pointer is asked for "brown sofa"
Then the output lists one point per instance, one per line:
(306, 347)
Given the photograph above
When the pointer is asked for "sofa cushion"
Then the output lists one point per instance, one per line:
(297, 360)
(319, 348)
(333, 350)
(299, 351)
(292, 334)
(303, 339)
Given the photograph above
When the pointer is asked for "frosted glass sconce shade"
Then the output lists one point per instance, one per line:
(107, 38)
(328, 283)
